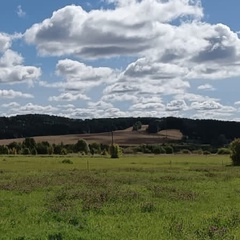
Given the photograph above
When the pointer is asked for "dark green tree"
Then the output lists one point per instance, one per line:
(136, 126)
(4, 150)
(29, 143)
(81, 146)
(42, 147)
(95, 148)
(235, 151)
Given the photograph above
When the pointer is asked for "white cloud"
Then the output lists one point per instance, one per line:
(34, 108)
(11, 105)
(5, 42)
(20, 11)
(77, 71)
(12, 69)
(126, 30)
(14, 94)
(176, 105)
(148, 107)
(171, 47)
(191, 97)
(206, 87)
(68, 97)
(212, 105)
(100, 105)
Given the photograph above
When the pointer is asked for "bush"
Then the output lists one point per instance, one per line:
(115, 151)
(185, 151)
(104, 152)
(168, 149)
(235, 151)
(26, 151)
(206, 152)
(224, 151)
(158, 150)
(67, 161)
(198, 151)
(4, 150)
(64, 151)
(129, 150)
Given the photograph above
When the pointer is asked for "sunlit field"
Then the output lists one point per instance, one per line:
(133, 197)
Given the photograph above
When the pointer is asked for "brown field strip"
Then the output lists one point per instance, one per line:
(125, 137)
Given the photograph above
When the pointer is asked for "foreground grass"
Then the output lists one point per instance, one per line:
(141, 197)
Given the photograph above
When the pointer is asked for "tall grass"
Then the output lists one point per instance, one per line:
(139, 197)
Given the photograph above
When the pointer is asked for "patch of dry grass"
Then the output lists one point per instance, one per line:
(125, 137)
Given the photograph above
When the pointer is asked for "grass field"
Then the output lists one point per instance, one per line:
(134, 197)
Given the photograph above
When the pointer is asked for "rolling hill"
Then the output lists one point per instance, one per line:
(125, 137)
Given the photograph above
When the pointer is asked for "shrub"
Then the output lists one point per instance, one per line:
(185, 151)
(168, 149)
(105, 152)
(94, 148)
(115, 151)
(4, 150)
(223, 151)
(158, 150)
(198, 151)
(63, 151)
(129, 150)
(147, 207)
(67, 161)
(26, 151)
(206, 152)
(235, 151)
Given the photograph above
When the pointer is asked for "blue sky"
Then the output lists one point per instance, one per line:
(120, 58)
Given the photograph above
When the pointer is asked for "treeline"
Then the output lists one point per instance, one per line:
(30, 147)
(213, 132)
(31, 125)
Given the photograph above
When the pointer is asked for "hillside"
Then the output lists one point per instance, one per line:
(213, 132)
(125, 137)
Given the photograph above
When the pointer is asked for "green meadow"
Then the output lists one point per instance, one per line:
(133, 197)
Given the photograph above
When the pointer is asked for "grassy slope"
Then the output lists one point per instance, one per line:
(139, 197)
(123, 137)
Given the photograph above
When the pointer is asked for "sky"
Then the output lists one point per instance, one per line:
(89, 59)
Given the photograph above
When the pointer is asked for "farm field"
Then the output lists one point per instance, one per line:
(125, 137)
(134, 197)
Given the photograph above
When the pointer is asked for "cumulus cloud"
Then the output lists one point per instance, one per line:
(191, 97)
(12, 69)
(11, 105)
(79, 74)
(176, 105)
(5, 42)
(212, 105)
(68, 97)
(100, 105)
(206, 87)
(170, 48)
(34, 108)
(125, 30)
(77, 79)
(14, 94)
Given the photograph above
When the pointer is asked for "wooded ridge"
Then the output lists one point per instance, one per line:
(213, 132)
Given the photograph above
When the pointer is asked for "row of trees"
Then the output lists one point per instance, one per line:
(30, 146)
